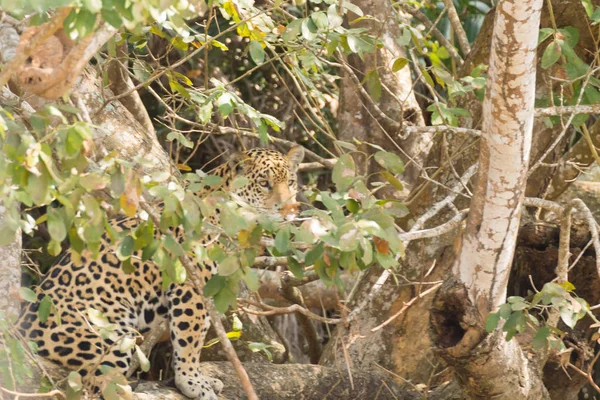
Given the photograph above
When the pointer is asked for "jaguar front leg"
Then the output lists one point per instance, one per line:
(188, 323)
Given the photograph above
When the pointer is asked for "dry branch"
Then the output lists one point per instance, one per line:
(284, 310)
(457, 27)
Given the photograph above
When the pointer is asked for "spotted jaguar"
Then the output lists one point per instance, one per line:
(136, 302)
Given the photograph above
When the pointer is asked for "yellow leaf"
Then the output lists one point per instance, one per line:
(184, 167)
(568, 286)
(235, 335)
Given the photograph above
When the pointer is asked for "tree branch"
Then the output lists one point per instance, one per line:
(438, 35)
(457, 27)
(26, 49)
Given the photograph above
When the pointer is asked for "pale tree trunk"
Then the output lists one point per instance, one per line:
(487, 365)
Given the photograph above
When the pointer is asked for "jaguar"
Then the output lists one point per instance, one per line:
(136, 303)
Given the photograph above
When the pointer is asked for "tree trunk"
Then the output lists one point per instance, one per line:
(488, 365)
(357, 118)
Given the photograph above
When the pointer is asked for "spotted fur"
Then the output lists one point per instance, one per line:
(137, 302)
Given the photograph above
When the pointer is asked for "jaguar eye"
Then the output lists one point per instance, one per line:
(264, 183)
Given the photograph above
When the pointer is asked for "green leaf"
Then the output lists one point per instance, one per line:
(295, 268)
(229, 265)
(492, 322)
(212, 180)
(225, 102)
(27, 294)
(238, 183)
(319, 18)
(181, 139)
(374, 84)
(596, 16)
(313, 254)
(335, 20)
(352, 8)
(545, 33)
(85, 23)
(390, 161)
(551, 54)
(251, 278)
(44, 309)
(93, 6)
(568, 286)
(588, 6)
(540, 339)
(112, 17)
(399, 63)
(257, 53)
(231, 221)
(224, 299)
(214, 285)
(282, 240)
(54, 248)
(150, 250)
(144, 362)
(125, 248)
(392, 180)
(349, 236)
(74, 380)
(97, 318)
(56, 225)
(568, 316)
(344, 172)
(205, 112)
(173, 246)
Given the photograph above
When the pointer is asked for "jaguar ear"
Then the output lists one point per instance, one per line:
(295, 157)
(237, 162)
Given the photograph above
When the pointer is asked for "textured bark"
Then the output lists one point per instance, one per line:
(120, 82)
(10, 272)
(355, 343)
(489, 241)
(356, 118)
(273, 382)
(486, 364)
(315, 294)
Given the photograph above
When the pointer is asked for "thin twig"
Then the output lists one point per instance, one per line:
(230, 351)
(284, 310)
(53, 393)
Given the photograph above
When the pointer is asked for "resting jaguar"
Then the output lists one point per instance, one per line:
(136, 302)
